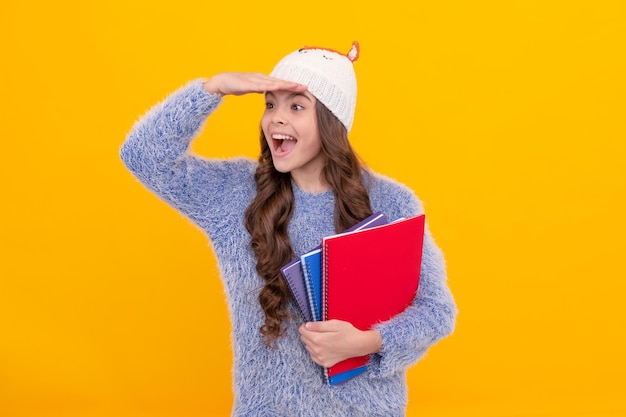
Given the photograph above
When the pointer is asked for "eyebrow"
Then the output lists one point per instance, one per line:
(292, 95)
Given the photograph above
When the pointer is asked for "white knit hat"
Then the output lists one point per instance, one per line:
(329, 76)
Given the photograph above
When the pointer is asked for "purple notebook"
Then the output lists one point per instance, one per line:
(295, 281)
(292, 272)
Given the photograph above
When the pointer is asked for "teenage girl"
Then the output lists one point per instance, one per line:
(307, 183)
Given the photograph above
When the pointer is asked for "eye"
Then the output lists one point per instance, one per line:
(268, 105)
(297, 107)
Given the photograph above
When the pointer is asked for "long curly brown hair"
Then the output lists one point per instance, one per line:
(268, 216)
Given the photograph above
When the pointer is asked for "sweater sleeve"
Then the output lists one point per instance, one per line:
(430, 317)
(156, 152)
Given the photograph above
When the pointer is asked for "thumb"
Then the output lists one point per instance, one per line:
(321, 326)
(316, 326)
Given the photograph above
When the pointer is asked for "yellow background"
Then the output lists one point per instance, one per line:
(506, 118)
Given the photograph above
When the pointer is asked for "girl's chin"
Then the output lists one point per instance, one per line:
(281, 167)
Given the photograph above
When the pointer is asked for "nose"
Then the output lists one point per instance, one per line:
(279, 117)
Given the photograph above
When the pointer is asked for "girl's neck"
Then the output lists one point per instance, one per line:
(311, 184)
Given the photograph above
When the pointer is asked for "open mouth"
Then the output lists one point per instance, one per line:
(283, 143)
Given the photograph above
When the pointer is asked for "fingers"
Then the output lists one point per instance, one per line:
(326, 341)
(313, 339)
(239, 83)
(267, 83)
(285, 85)
(324, 326)
(260, 83)
(318, 350)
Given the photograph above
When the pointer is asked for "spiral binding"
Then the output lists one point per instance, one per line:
(324, 281)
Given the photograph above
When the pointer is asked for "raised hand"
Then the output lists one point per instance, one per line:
(239, 83)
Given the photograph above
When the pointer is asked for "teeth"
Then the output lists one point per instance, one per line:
(282, 137)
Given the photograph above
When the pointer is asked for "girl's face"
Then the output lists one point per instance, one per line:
(289, 124)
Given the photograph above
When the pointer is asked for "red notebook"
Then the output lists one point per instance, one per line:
(371, 275)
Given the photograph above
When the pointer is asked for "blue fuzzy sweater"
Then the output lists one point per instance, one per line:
(214, 194)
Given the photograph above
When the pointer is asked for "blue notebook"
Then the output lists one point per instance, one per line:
(312, 271)
(344, 376)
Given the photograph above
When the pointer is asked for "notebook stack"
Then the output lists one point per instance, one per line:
(365, 276)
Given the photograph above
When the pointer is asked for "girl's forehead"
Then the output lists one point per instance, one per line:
(287, 95)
